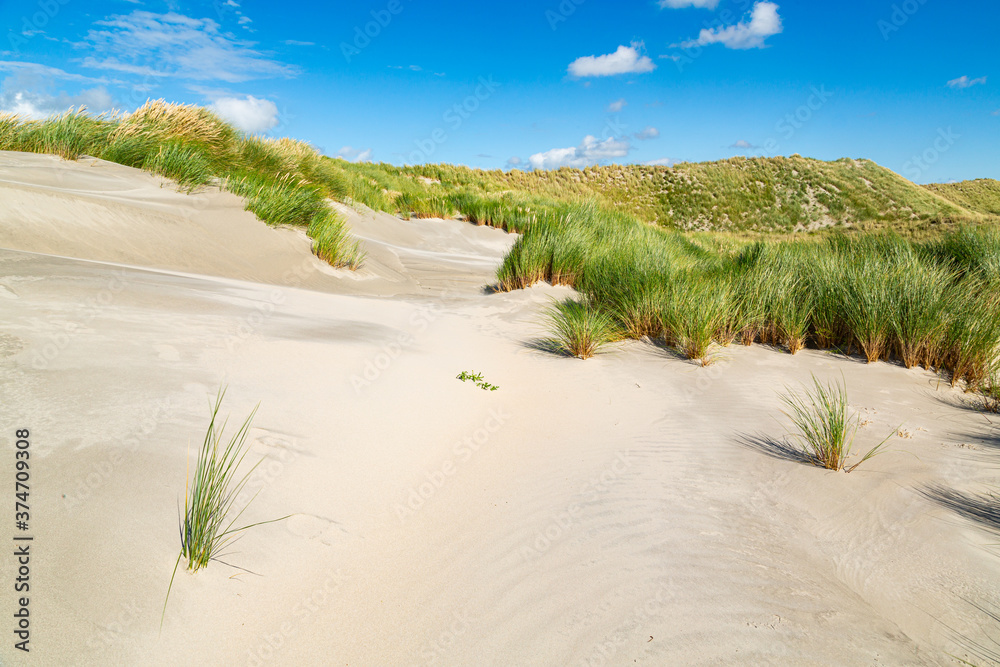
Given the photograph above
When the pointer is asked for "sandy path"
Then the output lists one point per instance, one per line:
(614, 511)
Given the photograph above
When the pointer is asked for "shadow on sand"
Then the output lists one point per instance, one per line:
(546, 345)
(982, 509)
(778, 449)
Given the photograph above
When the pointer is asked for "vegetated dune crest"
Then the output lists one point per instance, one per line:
(633, 508)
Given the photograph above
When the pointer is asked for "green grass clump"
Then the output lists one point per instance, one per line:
(971, 344)
(184, 164)
(423, 206)
(286, 200)
(579, 329)
(694, 312)
(332, 241)
(826, 430)
(210, 494)
(69, 135)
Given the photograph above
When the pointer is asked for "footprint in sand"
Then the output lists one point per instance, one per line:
(314, 527)
(10, 345)
(167, 352)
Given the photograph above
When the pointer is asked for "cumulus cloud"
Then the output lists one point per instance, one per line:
(249, 113)
(743, 144)
(514, 163)
(965, 82)
(36, 105)
(591, 151)
(681, 4)
(764, 22)
(647, 134)
(626, 60)
(662, 162)
(355, 154)
(617, 105)
(181, 47)
(31, 90)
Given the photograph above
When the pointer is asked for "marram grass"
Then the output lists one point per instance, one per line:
(825, 429)
(282, 181)
(579, 329)
(210, 495)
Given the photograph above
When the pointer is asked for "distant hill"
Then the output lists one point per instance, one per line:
(981, 195)
(738, 194)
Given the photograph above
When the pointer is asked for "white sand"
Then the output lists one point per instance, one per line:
(599, 512)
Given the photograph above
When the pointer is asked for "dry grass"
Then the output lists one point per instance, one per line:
(163, 121)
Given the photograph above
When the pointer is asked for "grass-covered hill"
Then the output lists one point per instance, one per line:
(738, 194)
(981, 195)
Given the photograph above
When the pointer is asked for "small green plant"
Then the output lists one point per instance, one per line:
(826, 430)
(209, 497)
(477, 378)
(580, 329)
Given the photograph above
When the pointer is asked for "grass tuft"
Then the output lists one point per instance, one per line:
(210, 495)
(184, 164)
(579, 329)
(826, 430)
(332, 241)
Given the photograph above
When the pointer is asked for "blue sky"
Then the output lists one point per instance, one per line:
(911, 84)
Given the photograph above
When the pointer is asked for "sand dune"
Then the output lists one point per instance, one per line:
(630, 509)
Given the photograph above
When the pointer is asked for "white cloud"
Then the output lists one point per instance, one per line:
(39, 72)
(617, 105)
(514, 163)
(182, 47)
(662, 162)
(244, 20)
(36, 105)
(965, 82)
(355, 154)
(295, 42)
(626, 60)
(31, 91)
(249, 114)
(764, 22)
(590, 151)
(681, 4)
(743, 144)
(647, 134)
